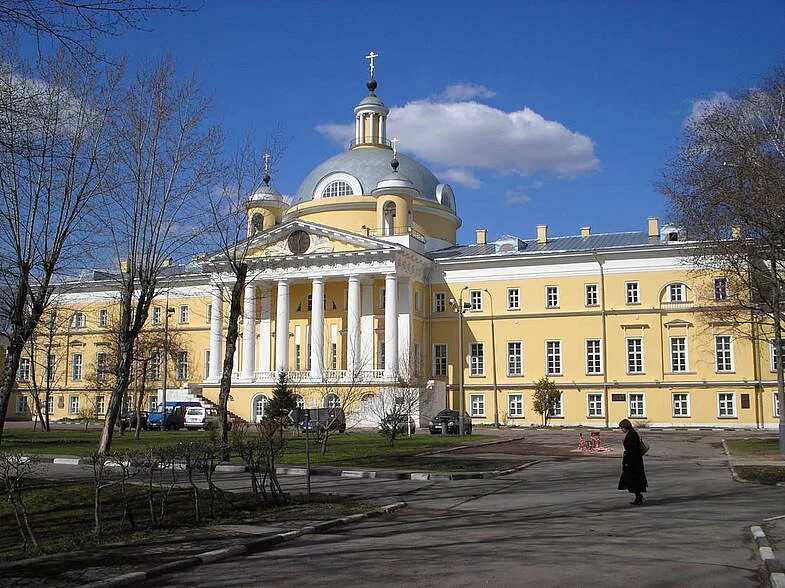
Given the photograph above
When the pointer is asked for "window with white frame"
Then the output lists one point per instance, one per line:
(101, 365)
(553, 358)
(439, 301)
(592, 296)
(185, 313)
(76, 366)
(632, 292)
(774, 354)
(440, 360)
(23, 374)
(637, 405)
(551, 296)
(337, 188)
(50, 371)
(78, 320)
(155, 317)
(154, 366)
(208, 313)
(100, 404)
(477, 359)
(723, 353)
(103, 317)
(514, 358)
(73, 405)
(182, 365)
(475, 300)
(22, 406)
(331, 400)
(594, 405)
(634, 355)
(776, 404)
(678, 354)
(557, 410)
(299, 401)
(677, 293)
(726, 404)
(593, 356)
(50, 405)
(515, 405)
(513, 299)
(477, 404)
(260, 403)
(681, 404)
(720, 288)
(152, 403)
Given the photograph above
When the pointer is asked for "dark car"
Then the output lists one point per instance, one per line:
(128, 419)
(403, 423)
(174, 416)
(449, 418)
(333, 419)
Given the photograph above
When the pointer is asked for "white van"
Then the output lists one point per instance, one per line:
(200, 417)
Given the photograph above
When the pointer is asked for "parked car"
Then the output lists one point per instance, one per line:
(332, 418)
(450, 419)
(202, 417)
(173, 418)
(403, 423)
(127, 419)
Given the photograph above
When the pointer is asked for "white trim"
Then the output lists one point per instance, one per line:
(353, 182)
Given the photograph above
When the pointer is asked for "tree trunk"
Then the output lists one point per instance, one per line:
(13, 355)
(116, 397)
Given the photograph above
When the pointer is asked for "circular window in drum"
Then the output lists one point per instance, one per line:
(299, 242)
(337, 188)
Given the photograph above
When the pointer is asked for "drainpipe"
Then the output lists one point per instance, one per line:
(604, 340)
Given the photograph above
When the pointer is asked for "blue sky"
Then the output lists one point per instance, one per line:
(560, 113)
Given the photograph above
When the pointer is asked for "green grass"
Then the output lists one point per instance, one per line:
(760, 447)
(762, 474)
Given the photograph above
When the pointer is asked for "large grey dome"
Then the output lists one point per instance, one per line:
(369, 165)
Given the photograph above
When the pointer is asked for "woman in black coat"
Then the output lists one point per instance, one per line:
(633, 476)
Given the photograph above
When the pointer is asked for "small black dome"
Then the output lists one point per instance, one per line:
(371, 85)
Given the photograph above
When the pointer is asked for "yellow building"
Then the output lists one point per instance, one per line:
(359, 283)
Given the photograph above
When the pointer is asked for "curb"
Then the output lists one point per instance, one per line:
(735, 475)
(239, 549)
(770, 561)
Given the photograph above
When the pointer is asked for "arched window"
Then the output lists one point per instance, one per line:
(337, 188)
(257, 222)
(260, 403)
(331, 401)
(389, 218)
(299, 401)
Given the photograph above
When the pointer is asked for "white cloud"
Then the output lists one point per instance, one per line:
(463, 177)
(461, 92)
(520, 194)
(702, 106)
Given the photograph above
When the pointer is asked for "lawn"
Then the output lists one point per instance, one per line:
(764, 448)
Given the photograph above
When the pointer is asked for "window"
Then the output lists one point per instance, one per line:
(515, 405)
(439, 360)
(332, 401)
(73, 405)
(593, 357)
(382, 297)
(726, 405)
(723, 353)
(206, 363)
(439, 302)
(22, 406)
(23, 374)
(101, 359)
(551, 296)
(76, 366)
(720, 288)
(337, 188)
(513, 299)
(594, 402)
(678, 354)
(633, 293)
(774, 354)
(260, 403)
(77, 320)
(477, 404)
(185, 313)
(152, 403)
(100, 404)
(514, 358)
(635, 355)
(475, 300)
(50, 405)
(154, 366)
(379, 355)
(477, 359)
(676, 293)
(103, 317)
(417, 301)
(556, 411)
(592, 296)
(182, 365)
(156, 316)
(208, 313)
(299, 401)
(776, 404)
(51, 367)
(553, 358)
(637, 405)
(681, 404)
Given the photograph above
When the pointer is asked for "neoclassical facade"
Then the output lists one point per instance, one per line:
(359, 284)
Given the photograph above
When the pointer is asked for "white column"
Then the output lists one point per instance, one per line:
(249, 332)
(383, 127)
(265, 329)
(366, 326)
(216, 333)
(282, 327)
(390, 326)
(405, 348)
(353, 327)
(317, 328)
(357, 128)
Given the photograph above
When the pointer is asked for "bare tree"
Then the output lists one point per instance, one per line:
(726, 188)
(53, 130)
(395, 407)
(165, 154)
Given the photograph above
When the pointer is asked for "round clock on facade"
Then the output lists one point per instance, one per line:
(298, 242)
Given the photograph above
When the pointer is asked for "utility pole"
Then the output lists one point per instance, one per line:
(493, 363)
(459, 308)
(168, 313)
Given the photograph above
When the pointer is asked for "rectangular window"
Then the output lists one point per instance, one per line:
(50, 405)
(557, 411)
(553, 358)
(592, 295)
(73, 405)
(382, 297)
(477, 404)
(477, 359)
(22, 406)
(720, 288)
(723, 353)
(206, 363)
(676, 293)
(678, 354)
(101, 359)
(774, 353)
(440, 360)
(309, 303)
(182, 365)
(103, 317)
(681, 404)
(208, 313)
(514, 358)
(100, 404)
(632, 293)
(635, 355)
(78, 320)
(515, 405)
(156, 315)
(185, 313)
(51, 367)
(152, 403)
(76, 366)
(776, 404)
(551, 296)
(23, 374)
(154, 366)
(593, 356)
(475, 300)
(637, 405)
(439, 302)
(513, 299)
(726, 404)
(594, 405)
